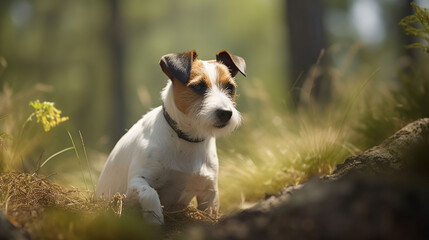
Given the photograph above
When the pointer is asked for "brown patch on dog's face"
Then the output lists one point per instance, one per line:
(225, 81)
(198, 76)
(192, 93)
(186, 96)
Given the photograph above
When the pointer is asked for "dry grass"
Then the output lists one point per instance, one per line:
(189, 215)
(28, 199)
(24, 197)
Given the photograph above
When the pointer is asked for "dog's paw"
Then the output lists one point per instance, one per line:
(153, 216)
(150, 205)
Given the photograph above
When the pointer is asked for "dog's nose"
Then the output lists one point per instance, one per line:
(223, 115)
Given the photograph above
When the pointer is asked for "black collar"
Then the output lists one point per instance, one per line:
(173, 125)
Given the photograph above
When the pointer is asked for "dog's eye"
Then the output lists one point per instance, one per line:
(230, 89)
(199, 88)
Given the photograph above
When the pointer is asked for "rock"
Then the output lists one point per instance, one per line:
(406, 147)
(381, 193)
(355, 207)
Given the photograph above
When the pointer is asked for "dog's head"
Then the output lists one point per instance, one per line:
(205, 91)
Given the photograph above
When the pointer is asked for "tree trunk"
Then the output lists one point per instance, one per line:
(408, 56)
(307, 41)
(116, 45)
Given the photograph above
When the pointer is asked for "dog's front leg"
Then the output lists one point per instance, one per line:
(209, 200)
(139, 190)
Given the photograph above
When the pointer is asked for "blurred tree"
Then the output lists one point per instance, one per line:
(118, 110)
(307, 41)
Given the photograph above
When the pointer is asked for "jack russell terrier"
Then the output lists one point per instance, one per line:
(169, 156)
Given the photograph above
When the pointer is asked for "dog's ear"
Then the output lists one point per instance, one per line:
(235, 64)
(178, 65)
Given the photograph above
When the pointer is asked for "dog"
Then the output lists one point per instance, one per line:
(169, 156)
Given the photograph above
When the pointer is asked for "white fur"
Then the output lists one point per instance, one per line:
(154, 167)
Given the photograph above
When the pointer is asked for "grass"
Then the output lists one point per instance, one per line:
(78, 159)
(276, 162)
(284, 152)
(49, 211)
(282, 148)
(24, 197)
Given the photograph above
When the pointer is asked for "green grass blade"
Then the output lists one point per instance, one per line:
(77, 155)
(87, 162)
(55, 154)
(354, 99)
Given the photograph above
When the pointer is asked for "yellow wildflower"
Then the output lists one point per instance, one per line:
(47, 114)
